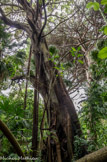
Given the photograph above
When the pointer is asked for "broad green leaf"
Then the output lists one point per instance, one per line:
(89, 5)
(95, 5)
(103, 53)
(80, 61)
(104, 2)
(105, 30)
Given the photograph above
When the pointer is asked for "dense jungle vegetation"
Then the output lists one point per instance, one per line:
(53, 86)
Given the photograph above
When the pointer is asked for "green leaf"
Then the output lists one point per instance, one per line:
(56, 56)
(105, 9)
(105, 30)
(104, 2)
(72, 53)
(80, 61)
(95, 5)
(51, 53)
(89, 5)
(73, 49)
(79, 55)
(74, 62)
(103, 53)
(57, 68)
(79, 48)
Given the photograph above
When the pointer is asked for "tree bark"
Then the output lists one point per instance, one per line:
(63, 117)
(97, 156)
(35, 126)
(12, 139)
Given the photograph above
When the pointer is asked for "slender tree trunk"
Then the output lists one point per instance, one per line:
(35, 126)
(11, 139)
(35, 117)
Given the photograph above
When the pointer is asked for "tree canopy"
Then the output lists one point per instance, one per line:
(53, 98)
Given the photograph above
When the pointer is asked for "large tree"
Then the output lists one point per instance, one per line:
(63, 122)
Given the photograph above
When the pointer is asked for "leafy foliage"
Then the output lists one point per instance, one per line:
(93, 115)
(103, 53)
(95, 5)
(4, 36)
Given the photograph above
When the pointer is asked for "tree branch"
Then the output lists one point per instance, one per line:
(12, 5)
(60, 24)
(11, 23)
(26, 5)
(44, 22)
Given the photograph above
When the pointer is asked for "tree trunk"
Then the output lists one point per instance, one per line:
(97, 156)
(11, 139)
(62, 116)
(35, 126)
(35, 116)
